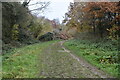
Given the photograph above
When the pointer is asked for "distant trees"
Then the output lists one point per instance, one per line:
(40, 26)
(102, 17)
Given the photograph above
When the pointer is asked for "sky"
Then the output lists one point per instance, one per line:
(55, 10)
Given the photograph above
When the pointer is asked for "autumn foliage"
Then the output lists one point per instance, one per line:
(100, 17)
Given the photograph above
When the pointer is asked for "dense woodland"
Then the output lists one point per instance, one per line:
(20, 26)
(96, 22)
(101, 18)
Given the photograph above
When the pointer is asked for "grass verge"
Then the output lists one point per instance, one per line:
(23, 62)
(101, 54)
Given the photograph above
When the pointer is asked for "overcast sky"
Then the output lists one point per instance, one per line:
(56, 9)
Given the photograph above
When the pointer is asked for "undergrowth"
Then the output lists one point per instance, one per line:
(103, 54)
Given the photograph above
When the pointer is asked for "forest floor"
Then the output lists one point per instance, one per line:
(58, 62)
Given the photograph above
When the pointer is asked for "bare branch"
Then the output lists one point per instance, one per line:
(42, 7)
(25, 3)
(37, 3)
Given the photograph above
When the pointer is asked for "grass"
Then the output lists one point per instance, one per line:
(100, 54)
(23, 62)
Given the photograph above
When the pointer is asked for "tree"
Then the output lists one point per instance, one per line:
(99, 16)
(17, 19)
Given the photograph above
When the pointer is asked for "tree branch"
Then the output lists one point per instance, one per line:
(25, 3)
(40, 7)
(37, 3)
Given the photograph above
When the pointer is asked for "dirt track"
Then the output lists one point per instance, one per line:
(58, 62)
